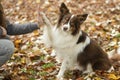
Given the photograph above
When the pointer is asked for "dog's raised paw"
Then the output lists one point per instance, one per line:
(45, 19)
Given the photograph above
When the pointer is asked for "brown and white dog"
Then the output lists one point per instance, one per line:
(72, 45)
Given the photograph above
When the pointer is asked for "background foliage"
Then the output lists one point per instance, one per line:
(32, 61)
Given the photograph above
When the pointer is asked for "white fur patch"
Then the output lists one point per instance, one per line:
(111, 69)
(89, 69)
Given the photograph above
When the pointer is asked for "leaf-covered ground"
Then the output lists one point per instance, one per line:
(32, 61)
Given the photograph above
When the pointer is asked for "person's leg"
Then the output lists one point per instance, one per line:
(6, 50)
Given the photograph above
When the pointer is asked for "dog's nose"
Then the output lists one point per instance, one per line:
(65, 28)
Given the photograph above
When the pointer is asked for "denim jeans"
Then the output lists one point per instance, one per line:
(6, 50)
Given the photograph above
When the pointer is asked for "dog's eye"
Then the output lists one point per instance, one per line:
(71, 24)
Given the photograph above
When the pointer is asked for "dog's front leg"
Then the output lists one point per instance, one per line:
(62, 70)
(47, 38)
(49, 25)
(47, 34)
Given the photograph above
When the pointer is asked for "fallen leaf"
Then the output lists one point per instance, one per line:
(112, 76)
(37, 1)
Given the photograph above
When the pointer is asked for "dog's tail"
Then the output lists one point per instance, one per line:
(46, 20)
(114, 56)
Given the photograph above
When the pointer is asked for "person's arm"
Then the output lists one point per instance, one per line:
(1, 32)
(17, 29)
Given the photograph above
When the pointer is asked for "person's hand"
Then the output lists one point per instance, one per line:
(4, 32)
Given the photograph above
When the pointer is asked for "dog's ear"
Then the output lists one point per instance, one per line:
(64, 9)
(82, 17)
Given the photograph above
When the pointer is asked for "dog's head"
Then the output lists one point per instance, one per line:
(68, 22)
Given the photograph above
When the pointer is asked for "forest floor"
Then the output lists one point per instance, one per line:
(33, 61)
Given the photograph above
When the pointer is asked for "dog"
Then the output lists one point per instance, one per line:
(74, 48)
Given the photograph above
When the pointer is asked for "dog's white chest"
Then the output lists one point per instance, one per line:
(62, 40)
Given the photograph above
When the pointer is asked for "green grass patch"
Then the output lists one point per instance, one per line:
(32, 78)
(47, 65)
(32, 72)
(43, 73)
(118, 35)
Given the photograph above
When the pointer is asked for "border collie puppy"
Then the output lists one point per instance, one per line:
(72, 45)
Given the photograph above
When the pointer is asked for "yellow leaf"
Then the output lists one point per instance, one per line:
(118, 77)
(19, 2)
(23, 60)
(112, 76)
(17, 42)
(37, 1)
(97, 78)
(92, 28)
(36, 32)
